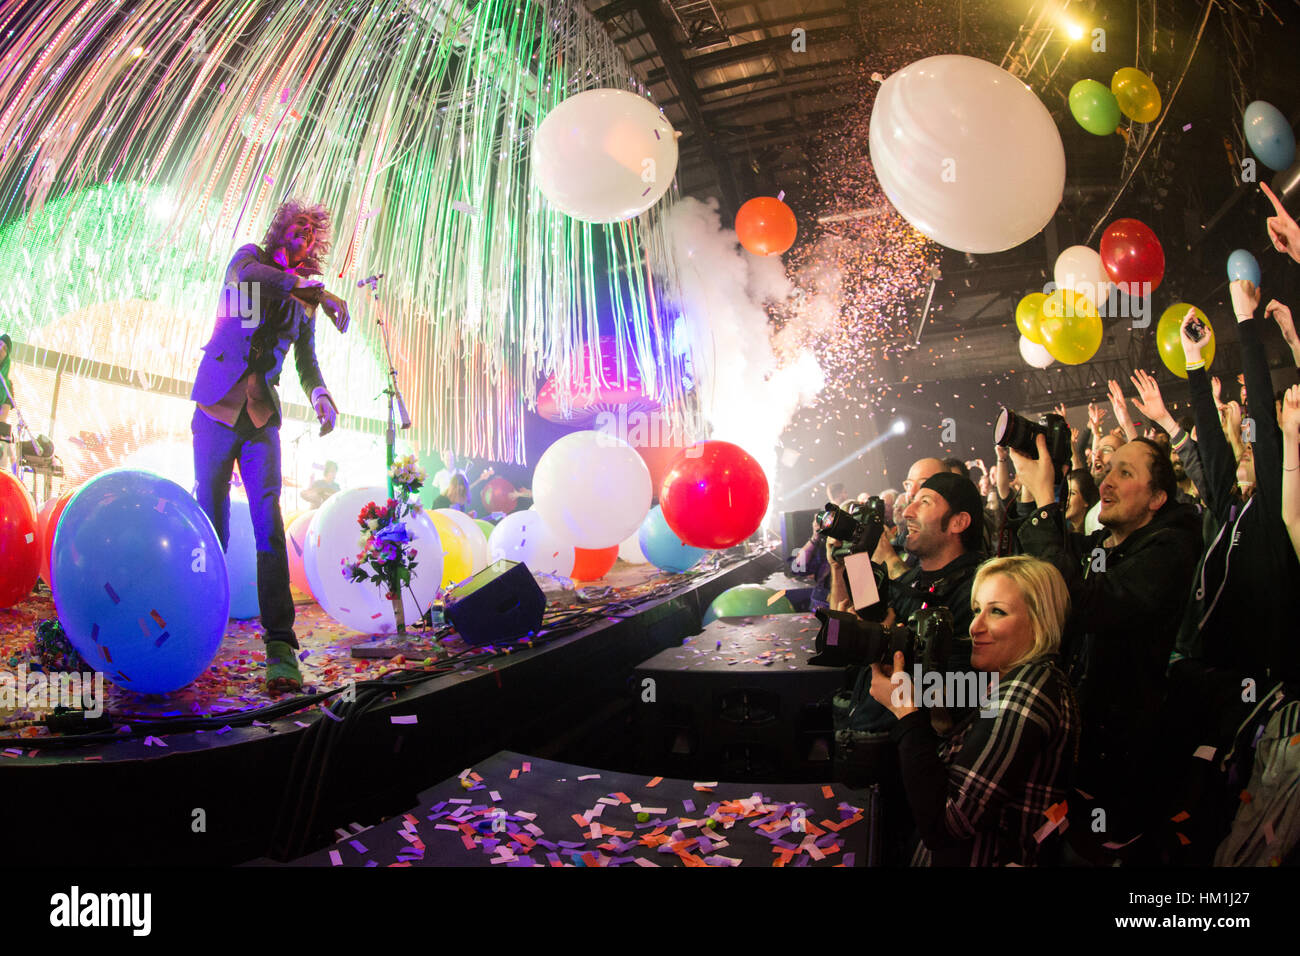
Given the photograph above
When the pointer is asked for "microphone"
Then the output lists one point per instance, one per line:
(370, 281)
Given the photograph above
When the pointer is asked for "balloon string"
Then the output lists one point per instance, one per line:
(1209, 5)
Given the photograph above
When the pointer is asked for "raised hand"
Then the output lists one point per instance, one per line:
(1096, 414)
(1283, 230)
(1230, 414)
(1245, 298)
(1149, 401)
(1120, 406)
(1282, 316)
(336, 309)
(1192, 346)
(1291, 415)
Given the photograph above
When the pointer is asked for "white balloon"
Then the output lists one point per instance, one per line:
(593, 488)
(478, 545)
(1035, 354)
(604, 155)
(1079, 269)
(967, 153)
(630, 550)
(526, 536)
(333, 540)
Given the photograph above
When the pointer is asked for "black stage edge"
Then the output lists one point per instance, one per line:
(279, 791)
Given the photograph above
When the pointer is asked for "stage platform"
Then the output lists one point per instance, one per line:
(221, 773)
(517, 810)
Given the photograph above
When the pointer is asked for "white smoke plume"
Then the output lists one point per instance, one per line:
(748, 393)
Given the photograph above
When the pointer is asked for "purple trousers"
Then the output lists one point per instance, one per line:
(217, 447)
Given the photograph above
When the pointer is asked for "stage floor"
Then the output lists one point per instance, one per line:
(235, 681)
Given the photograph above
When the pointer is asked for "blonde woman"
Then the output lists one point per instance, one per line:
(988, 794)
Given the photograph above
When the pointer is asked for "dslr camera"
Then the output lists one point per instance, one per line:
(845, 639)
(858, 525)
(1021, 435)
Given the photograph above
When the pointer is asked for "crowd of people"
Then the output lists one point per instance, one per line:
(1138, 605)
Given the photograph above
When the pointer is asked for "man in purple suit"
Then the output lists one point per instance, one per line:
(268, 304)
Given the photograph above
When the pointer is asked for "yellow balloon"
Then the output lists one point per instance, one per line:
(1169, 338)
(1029, 312)
(1070, 327)
(1138, 97)
(457, 555)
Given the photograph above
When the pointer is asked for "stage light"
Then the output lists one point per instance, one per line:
(898, 427)
(1074, 30)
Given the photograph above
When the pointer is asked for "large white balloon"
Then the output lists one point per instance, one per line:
(334, 540)
(1035, 354)
(1079, 269)
(630, 551)
(478, 546)
(526, 536)
(604, 155)
(593, 488)
(966, 153)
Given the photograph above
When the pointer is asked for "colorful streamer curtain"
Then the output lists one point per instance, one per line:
(140, 143)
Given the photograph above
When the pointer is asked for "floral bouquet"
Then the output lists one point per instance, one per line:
(386, 555)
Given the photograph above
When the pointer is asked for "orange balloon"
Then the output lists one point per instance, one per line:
(47, 522)
(592, 564)
(766, 226)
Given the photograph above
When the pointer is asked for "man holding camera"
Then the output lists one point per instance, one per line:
(1128, 583)
(945, 531)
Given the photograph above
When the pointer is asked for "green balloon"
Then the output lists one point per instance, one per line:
(487, 526)
(746, 600)
(1095, 107)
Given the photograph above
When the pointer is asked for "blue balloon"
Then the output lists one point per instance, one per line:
(1242, 265)
(241, 563)
(1270, 135)
(140, 580)
(662, 548)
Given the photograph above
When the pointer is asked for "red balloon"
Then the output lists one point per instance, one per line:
(714, 496)
(20, 546)
(766, 226)
(498, 495)
(1132, 255)
(592, 564)
(47, 522)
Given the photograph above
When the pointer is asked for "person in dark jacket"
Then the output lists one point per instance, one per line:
(1249, 571)
(1128, 583)
(263, 313)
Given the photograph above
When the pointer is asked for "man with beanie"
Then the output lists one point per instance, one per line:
(945, 532)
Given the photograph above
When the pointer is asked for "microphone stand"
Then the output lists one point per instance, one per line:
(395, 404)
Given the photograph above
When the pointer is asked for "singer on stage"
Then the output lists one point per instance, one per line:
(268, 304)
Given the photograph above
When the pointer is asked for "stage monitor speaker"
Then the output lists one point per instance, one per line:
(501, 603)
(796, 529)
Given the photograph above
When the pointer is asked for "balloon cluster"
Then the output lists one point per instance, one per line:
(593, 496)
(1065, 325)
(1131, 93)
